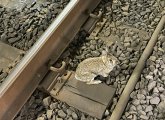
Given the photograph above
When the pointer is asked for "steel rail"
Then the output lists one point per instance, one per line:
(22, 82)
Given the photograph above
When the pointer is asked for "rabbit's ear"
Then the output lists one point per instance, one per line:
(107, 49)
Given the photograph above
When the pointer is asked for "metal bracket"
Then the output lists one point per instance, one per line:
(55, 80)
(59, 85)
(96, 16)
(98, 27)
(91, 22)
(60, 70)
(59, 73)
(60, 79)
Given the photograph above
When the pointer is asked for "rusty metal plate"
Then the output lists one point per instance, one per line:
(98, 27)
(61, 83)
(82, 103)
(8, 55)
(91, 99)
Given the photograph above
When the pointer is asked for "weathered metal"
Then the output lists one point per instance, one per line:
(91, 99)
(21, 83)
(91, 22)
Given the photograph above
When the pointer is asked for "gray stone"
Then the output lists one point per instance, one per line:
(134, 117)
(61, 114)
(149, 77)
(141, 96)
(83, 118)
(163, 78)
(163, 57)
(149, 108)
(69, 112)
(127, 39)
(142, 84)
(133, 112)
(57, 118)
(144, 117)
(47, 101)
(162, 96)
(127, 114)
(152, 68)
(143, 101)
(92, 47)
(136, 102)
(13, 40)
(155, 90)
(74, 116)
(161, 106)
(142, 112)
(125, 8)
(162, 3)
(155, 100)
(127, 44)
(49, 113)
(153, 58)
(161, 89)
(106, 113)
(151, 85)
(10, 29)
(95, 53)
(4, 37)
(150, 113)
(53, 105)
(40, 118)
(70, 118)
(133, 95)
(130, 117)
(121, 89)
(139, 107)
(107, 33)
(133, 108)
(54, 117)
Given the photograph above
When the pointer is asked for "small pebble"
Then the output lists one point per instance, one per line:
(49, 113)
(61, 114)
(151, 85)
(74, 116)
(106, 113)
(47, 101)
(149, 108)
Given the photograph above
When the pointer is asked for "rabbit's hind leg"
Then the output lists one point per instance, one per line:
(94, 82)
(105, 75)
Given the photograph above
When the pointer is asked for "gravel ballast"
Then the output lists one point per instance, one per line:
(129, 27)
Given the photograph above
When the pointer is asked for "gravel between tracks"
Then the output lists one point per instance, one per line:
(147, 100)
(133, 22)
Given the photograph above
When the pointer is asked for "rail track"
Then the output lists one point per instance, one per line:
(36, 62)
(38, 69)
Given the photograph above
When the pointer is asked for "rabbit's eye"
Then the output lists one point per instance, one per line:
(110, 60)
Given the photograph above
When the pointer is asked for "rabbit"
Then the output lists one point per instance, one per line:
(89, 68)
